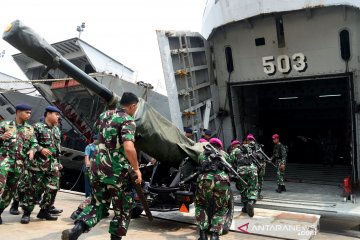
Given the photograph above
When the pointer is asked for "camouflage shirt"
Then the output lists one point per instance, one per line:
(255, 147)
(239, 156)
(279, 153)
(14, 150)
(50, 138)
(114, 128)
(218, 174)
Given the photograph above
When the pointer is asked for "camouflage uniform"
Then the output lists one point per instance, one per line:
(43, 172)
(109, 174)
(262, 165)
(213, 185)
(20, 190)
(13, 157)
(248, 171)
(279, 154)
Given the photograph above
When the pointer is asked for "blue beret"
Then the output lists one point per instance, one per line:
(188, 130)
(52, 109)
(23, 107)
(208, 132)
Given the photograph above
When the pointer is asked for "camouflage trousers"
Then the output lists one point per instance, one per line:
(20, 190)
(36, 183)
(261, 175)
(8, 183)
(250, 176)
(280, 175)
(87, 201)
(120, 195)
(216, 194)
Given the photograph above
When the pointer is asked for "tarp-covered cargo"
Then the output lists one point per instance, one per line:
(159, 138)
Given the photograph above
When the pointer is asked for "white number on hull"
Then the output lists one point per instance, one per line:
(269, 66)
(284, 63)
(300, 60)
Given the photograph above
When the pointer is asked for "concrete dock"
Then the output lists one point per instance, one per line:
(164, 226)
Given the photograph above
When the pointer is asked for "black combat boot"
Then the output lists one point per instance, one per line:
(283, 188)
(244, 208)
(25, 219)
(214, 236)
(1, 211)
(14, 210)
(38, 199)
(44, 214)
(75, 214)
(203, 235)
(279, 189)
(75, 232)
(260, 197)
(105, 213)
(54, 210)
(250, 208)
(114, 237)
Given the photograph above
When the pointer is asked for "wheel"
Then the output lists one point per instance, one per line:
(136, 212)
(229, 214)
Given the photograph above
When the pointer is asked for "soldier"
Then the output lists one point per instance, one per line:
(234, 144)
(248, 171)
(109, 172)
(53, 209)
(213, 187)
(254, 146)
(14, 209)
(89, 155)
(43, 173)
(17, 144)
(189, 133)
(207, 134)
(279, 155)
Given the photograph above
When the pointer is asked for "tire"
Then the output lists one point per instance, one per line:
(136, 212)
(229, 214)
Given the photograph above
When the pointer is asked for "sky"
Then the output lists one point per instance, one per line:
(123, 29)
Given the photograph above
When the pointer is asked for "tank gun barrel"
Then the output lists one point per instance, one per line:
(33, 45)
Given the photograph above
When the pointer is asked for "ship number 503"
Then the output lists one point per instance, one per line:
(284, 64)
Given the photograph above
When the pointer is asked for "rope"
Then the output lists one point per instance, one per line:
(81, 172)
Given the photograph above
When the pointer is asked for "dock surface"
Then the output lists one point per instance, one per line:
(140, 228)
